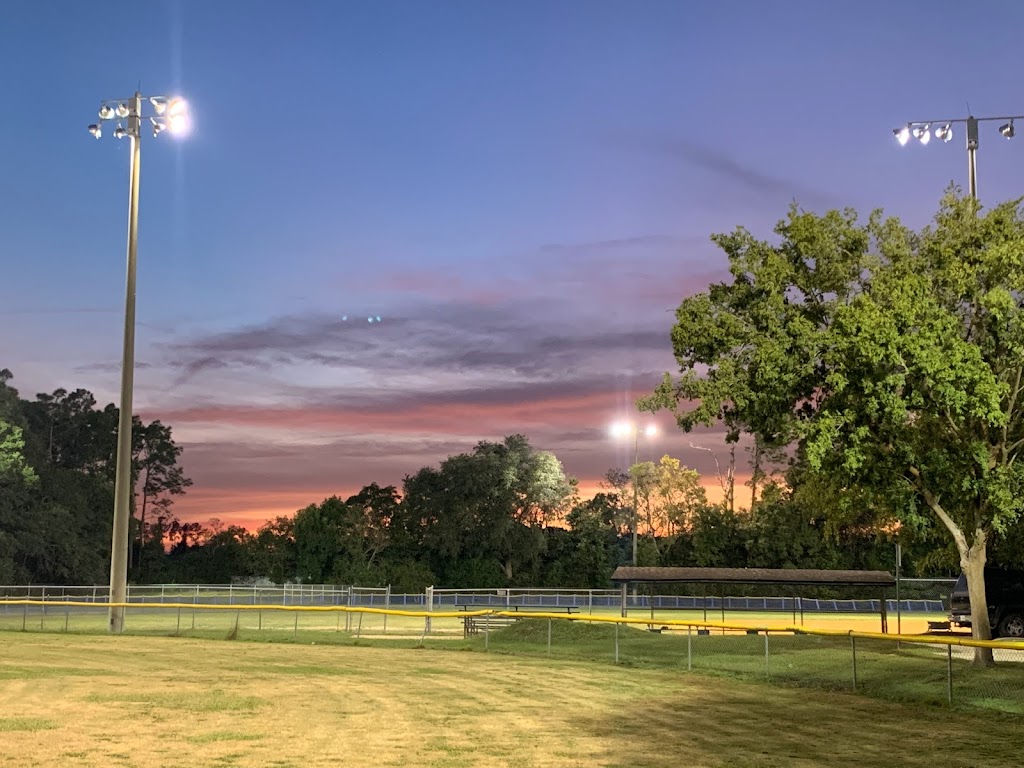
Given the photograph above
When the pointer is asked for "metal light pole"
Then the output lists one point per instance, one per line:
(624, 430)
(921, 130)
(172, 114)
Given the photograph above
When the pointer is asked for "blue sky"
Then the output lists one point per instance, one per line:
(522, 191)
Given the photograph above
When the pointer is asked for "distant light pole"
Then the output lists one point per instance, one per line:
(921, 130)
(167, 114)
(625, 429)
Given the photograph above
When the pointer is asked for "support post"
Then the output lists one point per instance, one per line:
(899, 610)
(622, 600)
(689, 648)
(549, 637)
(766, 673)
(616, 642)
(949, 674)
(972, 157)
(123, 468)
(853, 654)
(429, 599)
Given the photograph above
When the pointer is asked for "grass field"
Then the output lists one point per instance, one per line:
(78, 700)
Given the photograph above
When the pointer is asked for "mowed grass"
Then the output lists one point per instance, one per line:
(78, 700)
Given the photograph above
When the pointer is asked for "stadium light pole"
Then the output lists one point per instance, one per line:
(922, 131)
(624, 430)
(169, 114)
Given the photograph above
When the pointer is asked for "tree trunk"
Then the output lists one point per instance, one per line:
(972, 560)
(507, 568)
(731, 492)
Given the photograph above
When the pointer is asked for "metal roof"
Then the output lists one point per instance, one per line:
(629, 574)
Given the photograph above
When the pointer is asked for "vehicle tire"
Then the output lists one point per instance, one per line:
(1012, 625)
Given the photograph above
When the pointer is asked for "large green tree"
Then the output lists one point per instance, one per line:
(894, 358)
(489, 506)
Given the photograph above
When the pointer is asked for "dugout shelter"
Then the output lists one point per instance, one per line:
(718, 579)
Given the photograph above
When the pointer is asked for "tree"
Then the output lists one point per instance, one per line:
(680, 494)
(489, 506)
(160, 478)
(893, 358)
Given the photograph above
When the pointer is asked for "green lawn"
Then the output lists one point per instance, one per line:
(94, 700)
(911, 673)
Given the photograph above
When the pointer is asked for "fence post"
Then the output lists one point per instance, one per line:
(195, 599)
(689, 648)
(295, 629)
(766, 673)
(590, 602)
(549, 636)
(67, 615)
(949, 674)
(853, 653)
(487, 632)
(616, 642)
(359, 627)
(428, 597)
(24, 617)
(387, 606)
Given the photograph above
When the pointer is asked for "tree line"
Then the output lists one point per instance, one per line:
(503, 514)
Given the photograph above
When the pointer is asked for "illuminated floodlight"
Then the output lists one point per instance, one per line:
(1007, 130)
(902, 135)
(651, 430)
(106, 112)
(95, 130)
(620, 429)
(122, 110)
(922, 134)
(158, 127)
(944, 133)
(159, 105)
(120, 132)
(179, 124)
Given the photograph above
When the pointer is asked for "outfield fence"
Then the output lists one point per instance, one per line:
(934, 669)
(590, 600)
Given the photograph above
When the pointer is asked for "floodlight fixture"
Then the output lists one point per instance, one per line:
(96, 130)
(106, 112)
(121, 110)
(921, 130)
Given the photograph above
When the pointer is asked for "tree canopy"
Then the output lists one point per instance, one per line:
(892, 358)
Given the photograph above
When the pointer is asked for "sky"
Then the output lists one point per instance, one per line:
(523, 192)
